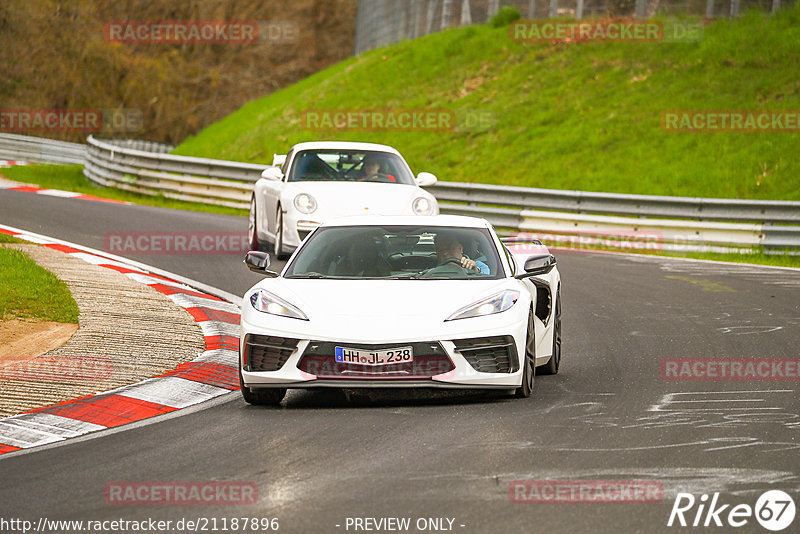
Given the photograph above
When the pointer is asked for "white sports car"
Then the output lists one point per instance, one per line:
(319, 181)
(403, 301)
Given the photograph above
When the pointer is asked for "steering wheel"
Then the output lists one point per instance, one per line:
(377, 177)
(457, 261)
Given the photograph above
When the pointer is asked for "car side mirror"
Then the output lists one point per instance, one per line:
(538, 265)
(425, 179)
(258, 262)
(272, 173)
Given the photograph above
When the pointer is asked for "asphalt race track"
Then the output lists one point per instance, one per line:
(608, 415)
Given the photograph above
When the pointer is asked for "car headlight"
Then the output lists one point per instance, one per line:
(488, 306)
(266, 302)
(305, 203)
(422, 206)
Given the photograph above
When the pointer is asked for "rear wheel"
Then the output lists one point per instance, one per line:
(252, 227)
(279, 253)
(261, 397)
(551, 367)
(529, 363)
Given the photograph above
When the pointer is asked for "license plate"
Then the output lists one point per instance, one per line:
(374, 357)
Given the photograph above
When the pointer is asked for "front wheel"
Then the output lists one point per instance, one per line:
(252, 227)
(529, 365)
(279, 252)
(261, 397)
(552, 365)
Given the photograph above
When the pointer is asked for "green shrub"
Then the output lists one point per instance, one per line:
(505, 16)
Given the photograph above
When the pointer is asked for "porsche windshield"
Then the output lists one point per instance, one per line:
(398, 252)
(349, 166)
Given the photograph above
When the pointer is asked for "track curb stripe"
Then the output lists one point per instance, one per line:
(201, 314)
(171, 290)
(108, 410)
(208, 373)
(212, 373)
(8, 448)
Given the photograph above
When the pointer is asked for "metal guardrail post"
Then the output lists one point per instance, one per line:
(641, 9)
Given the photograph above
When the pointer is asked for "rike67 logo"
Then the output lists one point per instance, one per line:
(774, 510)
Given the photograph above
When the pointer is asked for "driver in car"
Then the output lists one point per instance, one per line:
(450, 250)
(371, 168)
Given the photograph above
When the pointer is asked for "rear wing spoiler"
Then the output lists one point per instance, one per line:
(278, 160)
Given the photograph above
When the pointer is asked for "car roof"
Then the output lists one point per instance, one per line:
(458, 221)
(343, 145)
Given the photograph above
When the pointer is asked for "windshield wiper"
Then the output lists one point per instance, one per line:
(308, 275)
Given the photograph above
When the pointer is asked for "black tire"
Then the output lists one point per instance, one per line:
(262, 397)
(252, 228)
(552, 365)
(278, 248)
(529, 363)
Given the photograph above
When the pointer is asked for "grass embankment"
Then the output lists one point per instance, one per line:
(28, 291)
(71, 178)
(583, 116)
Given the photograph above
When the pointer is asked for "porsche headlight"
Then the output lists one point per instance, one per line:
(305, 203)
(488, 306)
(422, 206)
(266, 302)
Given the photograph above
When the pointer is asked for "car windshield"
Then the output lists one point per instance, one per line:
(349, 166)
(398, 252)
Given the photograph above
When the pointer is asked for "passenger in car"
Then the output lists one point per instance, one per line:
(364, 259)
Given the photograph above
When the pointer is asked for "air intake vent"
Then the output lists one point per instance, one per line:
(267, 353)
(497, 354)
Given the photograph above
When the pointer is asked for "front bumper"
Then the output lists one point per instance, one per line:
(297, 226)
(304, 363)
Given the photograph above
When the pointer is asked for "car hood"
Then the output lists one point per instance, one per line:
(425, 301)
(354, 198)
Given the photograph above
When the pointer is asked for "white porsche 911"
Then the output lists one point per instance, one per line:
(319, 181)
(404, 301)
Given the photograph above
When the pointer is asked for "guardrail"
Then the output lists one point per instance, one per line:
(130, 166)
(574, 218)
(39, 150)
(580, 218)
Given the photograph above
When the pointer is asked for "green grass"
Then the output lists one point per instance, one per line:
(5, 238)
(71, 178)
(28, 291)
(758, 257)
(563, 116)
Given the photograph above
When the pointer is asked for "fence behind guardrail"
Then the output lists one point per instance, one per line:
(382, 22)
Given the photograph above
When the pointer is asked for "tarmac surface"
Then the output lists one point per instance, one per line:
(610, 415)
